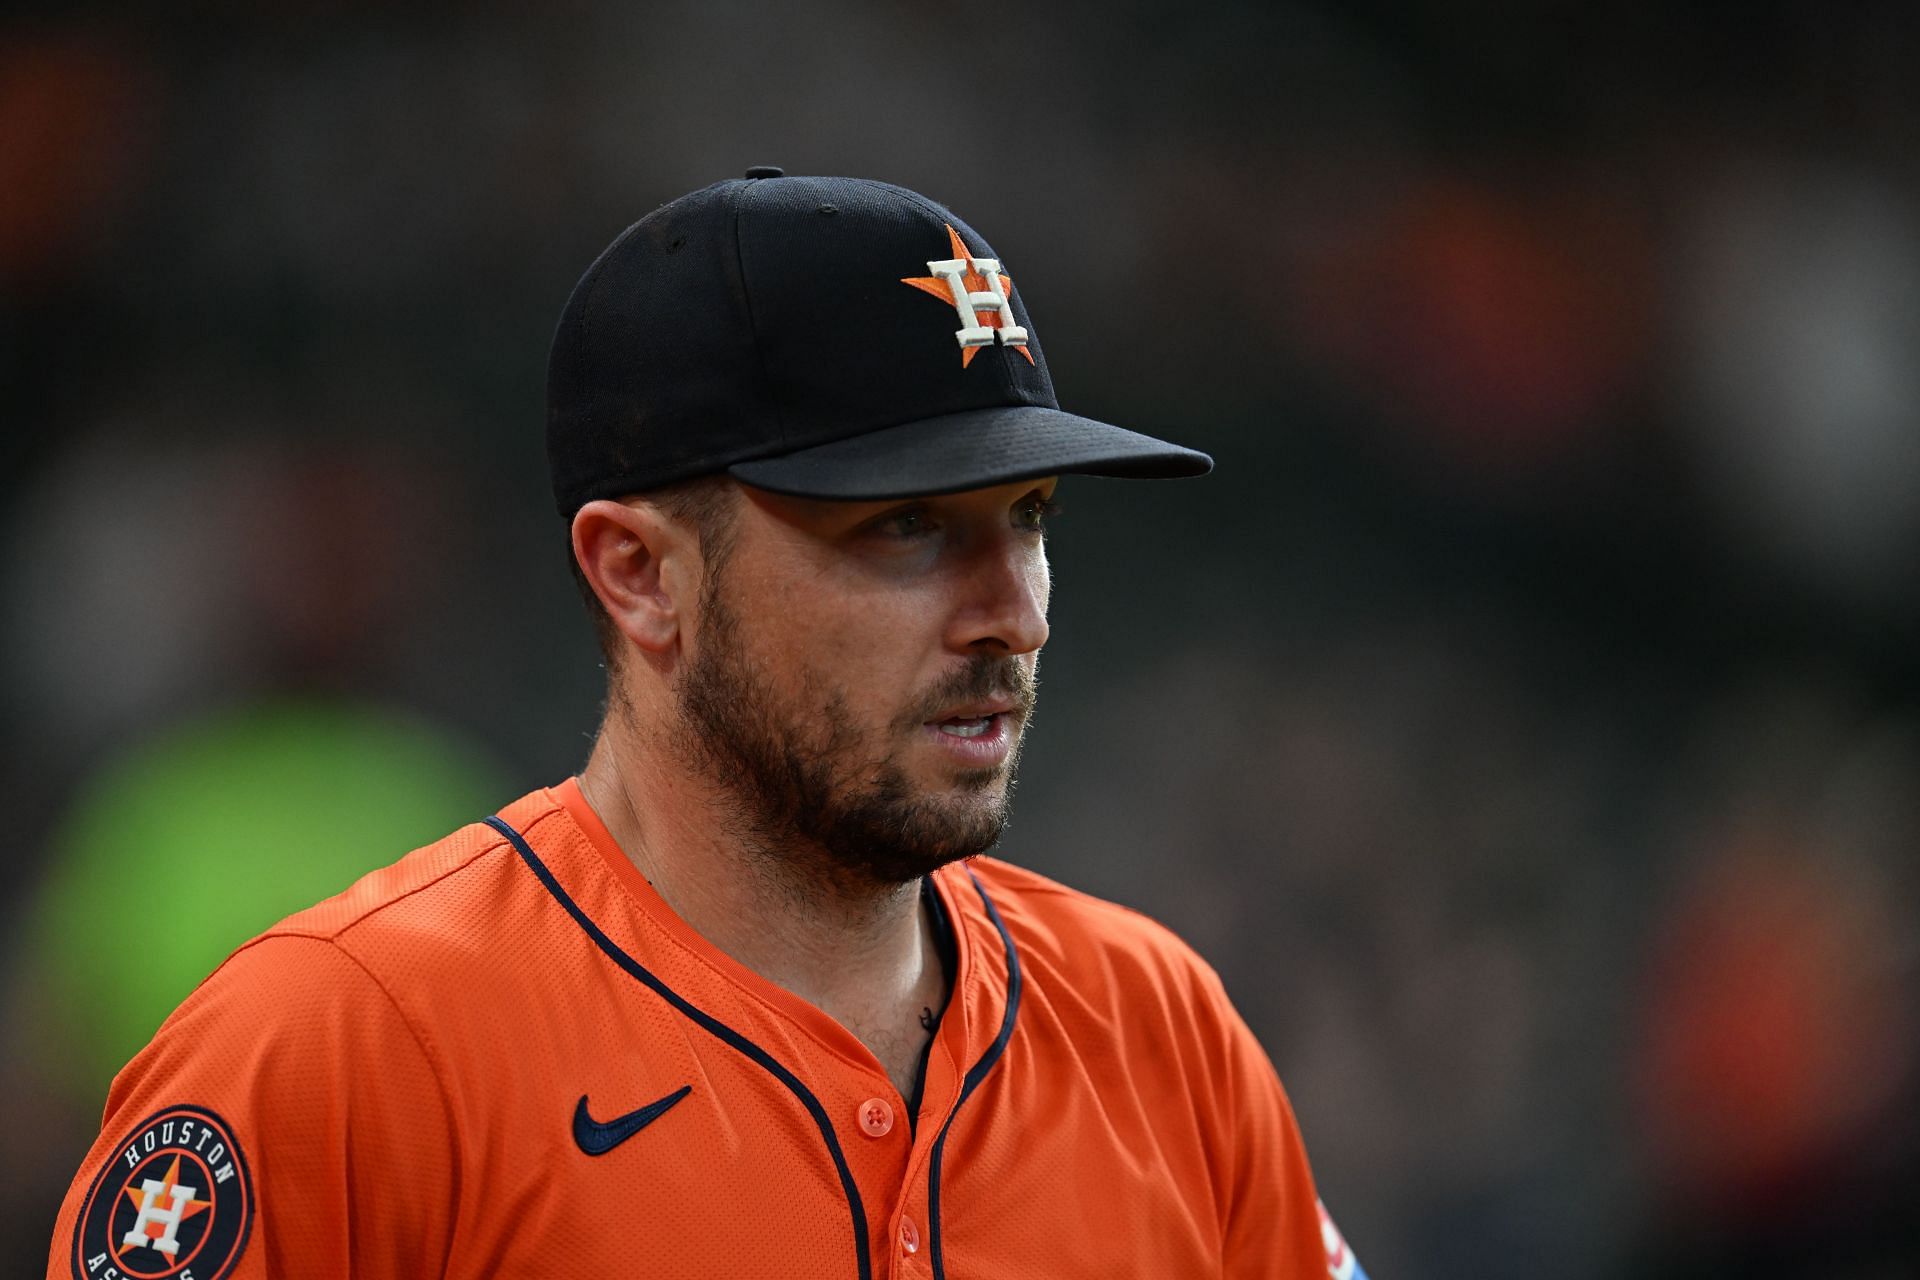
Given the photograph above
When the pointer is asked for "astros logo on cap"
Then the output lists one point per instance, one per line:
(176, 1201)
(977, 289)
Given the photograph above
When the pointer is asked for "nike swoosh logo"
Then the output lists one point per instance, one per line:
(596, 1139)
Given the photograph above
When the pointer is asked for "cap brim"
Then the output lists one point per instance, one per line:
(976, 449)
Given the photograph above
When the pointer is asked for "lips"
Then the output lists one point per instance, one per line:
(964, 726)
(974, 741)
(974, 720)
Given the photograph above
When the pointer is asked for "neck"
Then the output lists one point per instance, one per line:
(862, 952)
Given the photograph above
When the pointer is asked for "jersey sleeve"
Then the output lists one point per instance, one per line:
(1273, 1225)
(286, 1121)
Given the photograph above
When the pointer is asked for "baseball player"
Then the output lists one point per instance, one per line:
(742, 998)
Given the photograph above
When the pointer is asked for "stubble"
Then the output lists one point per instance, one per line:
(806, 785)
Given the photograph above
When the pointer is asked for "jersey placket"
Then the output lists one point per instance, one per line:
(987, 1003)
(899, 1194)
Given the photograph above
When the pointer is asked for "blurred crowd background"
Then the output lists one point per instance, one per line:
(1525, 717)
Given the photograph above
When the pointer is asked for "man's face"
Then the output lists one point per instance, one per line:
(861, 674)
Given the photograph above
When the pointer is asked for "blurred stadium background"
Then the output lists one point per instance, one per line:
(1525, 718)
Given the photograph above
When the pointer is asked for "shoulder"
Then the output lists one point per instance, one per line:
(1051, 913)
(350, 997)
(359, 957)
(1115, 1002)
(431, 885)
(428, 918)
(1097, 947)
(293, 1063)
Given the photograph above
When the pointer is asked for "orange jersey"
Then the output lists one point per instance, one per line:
(505, 1055)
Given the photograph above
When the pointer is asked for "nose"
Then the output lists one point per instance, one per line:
(1005, 609)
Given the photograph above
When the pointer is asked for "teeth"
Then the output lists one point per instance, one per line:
(967, 728)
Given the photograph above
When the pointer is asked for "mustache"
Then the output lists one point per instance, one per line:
(985, 677)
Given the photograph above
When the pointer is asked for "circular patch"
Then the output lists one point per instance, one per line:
(174, 1201)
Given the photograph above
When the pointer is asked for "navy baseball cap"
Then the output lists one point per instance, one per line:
(826, 337)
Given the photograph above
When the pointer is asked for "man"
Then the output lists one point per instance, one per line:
(741, 999)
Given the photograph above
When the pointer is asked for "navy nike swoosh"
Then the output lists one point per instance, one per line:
(596, 1139)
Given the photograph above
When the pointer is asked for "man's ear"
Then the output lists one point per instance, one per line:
(640, 565)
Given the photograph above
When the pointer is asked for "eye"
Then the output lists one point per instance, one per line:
(1032, 512)
(906, 523)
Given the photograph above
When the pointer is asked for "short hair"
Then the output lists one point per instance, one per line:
(704, 502)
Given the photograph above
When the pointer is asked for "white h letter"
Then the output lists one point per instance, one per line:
(167, 1242)
(971, 332)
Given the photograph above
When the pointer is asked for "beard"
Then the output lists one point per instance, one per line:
(810, 786)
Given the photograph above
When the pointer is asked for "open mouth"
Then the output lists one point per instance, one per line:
(966, 726)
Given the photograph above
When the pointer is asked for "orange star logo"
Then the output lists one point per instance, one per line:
(155, 1230)
(973, 282)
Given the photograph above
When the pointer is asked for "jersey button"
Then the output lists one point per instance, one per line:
(876, 1118)
(909, 1236)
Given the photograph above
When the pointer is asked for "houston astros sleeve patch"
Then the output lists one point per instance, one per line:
(175, 1202)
